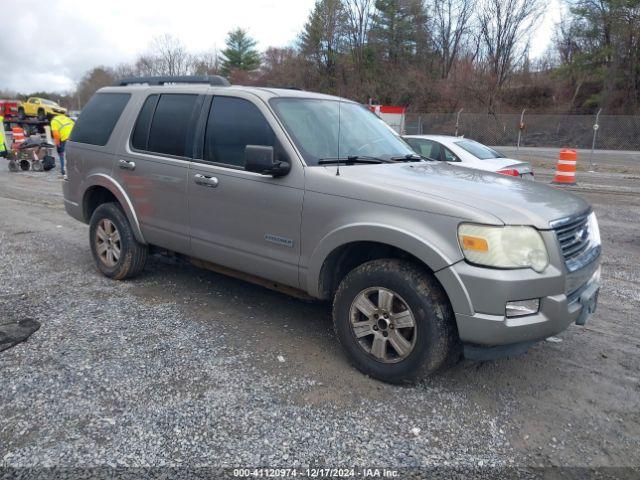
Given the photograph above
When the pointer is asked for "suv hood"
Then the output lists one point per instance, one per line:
(512, 200)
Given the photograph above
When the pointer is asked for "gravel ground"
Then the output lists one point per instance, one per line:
(185, 367)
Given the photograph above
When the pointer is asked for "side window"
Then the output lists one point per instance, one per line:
(427, 148)
(449, 156)
(233, 124)
(140, 136)
(171, 129)
(34, 100)
(98, 118)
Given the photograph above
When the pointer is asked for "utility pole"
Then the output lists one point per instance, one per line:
(596, 126)
(520, 128)
(458, 121)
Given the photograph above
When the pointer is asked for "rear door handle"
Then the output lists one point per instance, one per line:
(205, 181)
(127, 165)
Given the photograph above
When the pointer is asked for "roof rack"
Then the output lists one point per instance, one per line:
(215, 80)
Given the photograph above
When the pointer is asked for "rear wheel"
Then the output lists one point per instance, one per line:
(116, 251)
(21, 114)
(41, 115)
(394, 320)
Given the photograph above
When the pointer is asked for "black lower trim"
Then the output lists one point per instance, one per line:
(482, 353)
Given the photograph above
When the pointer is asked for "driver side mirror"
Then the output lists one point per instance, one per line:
(261, 159)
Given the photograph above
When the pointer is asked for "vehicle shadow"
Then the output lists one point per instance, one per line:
(272, 324)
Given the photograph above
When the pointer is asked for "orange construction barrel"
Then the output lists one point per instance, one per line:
(566, 167)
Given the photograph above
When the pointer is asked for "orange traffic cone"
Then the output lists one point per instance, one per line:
(17, 138)
(566, 167)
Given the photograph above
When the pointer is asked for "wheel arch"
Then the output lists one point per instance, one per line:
(344, 249)
(101, 189)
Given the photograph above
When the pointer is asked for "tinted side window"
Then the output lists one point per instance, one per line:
(141, 131)
(171, 130)
(233, 124)
(98, 118)
(427, 148)
(449, 156)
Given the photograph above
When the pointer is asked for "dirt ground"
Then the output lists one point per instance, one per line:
(179, 339)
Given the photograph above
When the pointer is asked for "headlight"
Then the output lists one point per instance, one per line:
(503, 247)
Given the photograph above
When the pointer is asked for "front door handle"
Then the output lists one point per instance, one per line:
(205, 181)
(127, 165)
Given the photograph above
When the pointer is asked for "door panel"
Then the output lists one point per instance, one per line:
(247, 222)
(157, 188)
(243, 220)
(154, 169)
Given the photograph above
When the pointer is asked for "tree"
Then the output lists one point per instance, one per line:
(451, 24)
(393, 29)
(505, 26)
(168, 56)
(323, 38)
(207, 63)
(240, 53)
(94, 79)
(599, 46)
(358, 14)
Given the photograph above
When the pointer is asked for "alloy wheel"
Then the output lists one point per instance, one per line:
(383, 324)
(108, 243)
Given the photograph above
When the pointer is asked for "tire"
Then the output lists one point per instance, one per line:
(132, 254)
(417, 298)
(36, 166)
(41, 115)
(21, 114)
(25, 165)
(13, 165)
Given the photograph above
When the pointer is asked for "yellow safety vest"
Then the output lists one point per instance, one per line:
(2, 145)
(63, 125)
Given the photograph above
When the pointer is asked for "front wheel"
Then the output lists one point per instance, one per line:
(116, 251)
(394, 320)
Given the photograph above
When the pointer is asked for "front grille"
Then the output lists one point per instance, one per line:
(575, 241)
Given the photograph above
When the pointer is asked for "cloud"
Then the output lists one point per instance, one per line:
(50, 45)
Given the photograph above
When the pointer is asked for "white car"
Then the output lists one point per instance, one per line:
(468, 153)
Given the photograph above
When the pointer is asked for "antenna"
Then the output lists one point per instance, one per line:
(339, 123)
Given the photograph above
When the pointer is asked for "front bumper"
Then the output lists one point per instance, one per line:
(480, 315)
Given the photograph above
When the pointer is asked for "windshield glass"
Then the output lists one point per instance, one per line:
(48, 102)
(478, 150)
(314, 125)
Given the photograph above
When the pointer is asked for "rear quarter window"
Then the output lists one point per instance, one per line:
(98, 118)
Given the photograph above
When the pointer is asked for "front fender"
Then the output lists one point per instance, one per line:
(425, 250)
(108, 182)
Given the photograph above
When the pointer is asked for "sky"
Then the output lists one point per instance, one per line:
(48, 45)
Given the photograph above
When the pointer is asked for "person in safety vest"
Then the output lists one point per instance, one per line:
(61, 127)
(3, 145)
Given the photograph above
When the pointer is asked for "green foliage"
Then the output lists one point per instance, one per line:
(601, 45)
(398, 28)
(240, 53)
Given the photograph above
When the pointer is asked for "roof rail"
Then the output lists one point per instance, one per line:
(216, 80)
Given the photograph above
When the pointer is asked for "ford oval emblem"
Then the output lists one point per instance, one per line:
(581, 235)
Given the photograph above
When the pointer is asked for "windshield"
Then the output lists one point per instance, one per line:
(314, 125)
(48, 102)
(478, 150)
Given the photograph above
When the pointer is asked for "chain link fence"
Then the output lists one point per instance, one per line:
(613, 132)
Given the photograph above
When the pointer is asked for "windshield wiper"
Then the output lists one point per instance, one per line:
(410, 157)
(360, 159)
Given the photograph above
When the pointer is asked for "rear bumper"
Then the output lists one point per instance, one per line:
(74, 209)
